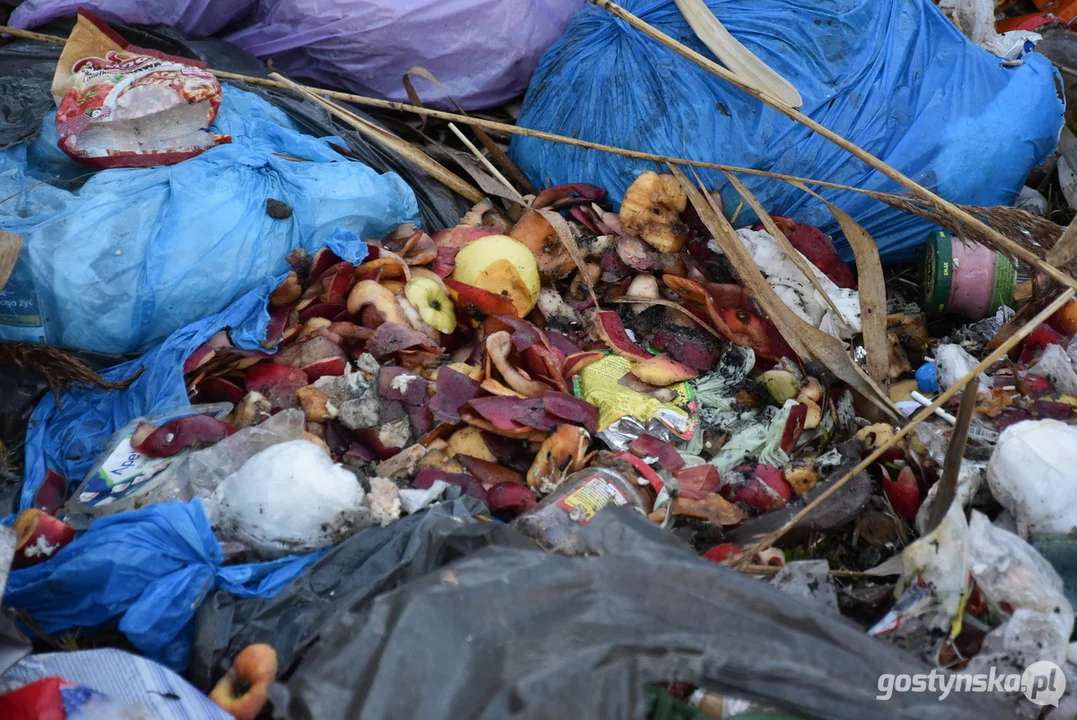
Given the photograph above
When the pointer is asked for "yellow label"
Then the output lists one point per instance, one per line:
(598, 385)
(595, 494)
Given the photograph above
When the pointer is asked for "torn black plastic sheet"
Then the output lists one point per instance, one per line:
(508, 631)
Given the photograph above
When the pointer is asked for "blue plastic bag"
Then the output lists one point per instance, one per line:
(147, 571)
(68, 439)
(893, 76)
(120, 263)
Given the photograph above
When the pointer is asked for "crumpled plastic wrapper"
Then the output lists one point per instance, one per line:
(794, 288)
(1031, 474)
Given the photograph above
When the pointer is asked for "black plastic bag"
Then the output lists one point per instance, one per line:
(482, 624)
(365, 565)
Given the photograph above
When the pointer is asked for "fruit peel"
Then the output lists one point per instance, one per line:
(243, 691)
(663, 370)
(503, 266)
(651, 210)
(434, 305)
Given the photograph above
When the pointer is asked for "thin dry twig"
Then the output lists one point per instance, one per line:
(955, 454)
(922, 193)
(392, 142)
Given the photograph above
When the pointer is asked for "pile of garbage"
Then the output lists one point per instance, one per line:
(626, 437)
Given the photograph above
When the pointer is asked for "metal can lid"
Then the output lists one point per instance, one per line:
(936, 272)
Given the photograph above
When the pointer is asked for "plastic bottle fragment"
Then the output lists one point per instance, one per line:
(556, 521)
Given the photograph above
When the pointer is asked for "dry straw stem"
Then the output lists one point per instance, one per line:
(386, 139)
(997, 239)
(872, 288)
(806, 340)
(955, 454)
(787, 247)
(1035, 234)
(493, 148)
(500, 127)
(1029, 237)
(987, 362)
(509, 189)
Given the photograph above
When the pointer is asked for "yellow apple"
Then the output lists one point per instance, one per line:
(434, 306)
(503, 266)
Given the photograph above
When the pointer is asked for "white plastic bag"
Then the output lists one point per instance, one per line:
(289, 498)
(1033, 474)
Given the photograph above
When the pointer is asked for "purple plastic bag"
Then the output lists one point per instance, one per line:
(482, 51)
(197, 17)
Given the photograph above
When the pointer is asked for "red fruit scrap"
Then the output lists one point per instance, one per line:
(337, 281)
(340, 441)
(561, 342)
(1038, 340)
(524, 334)
(474, 300)
(794, 427)
(613, 267)
(1035, 384)
(192, 431)
(201, 355)
(508, 499)
(700, 355)
(309, 351)
(638, 255)
(323, 260)
(760, 487)
(743, 327)
(329, 311)
(1052, 410)
(649, 446)
(427, 476)
(587, 217)
(369, 438)
(278, 321)
(397, 383)
(903, 493)
(445, 263)
(571, 409)
(819, 249)
(39, 537)
(219, 389)
(333, 367)
(721, 553)
(509, 452)
(1012, 416)
(509, 413)
(391, 338)
(50, 497)
(894, 454)
(545, 365)
(455, 238)
(489, 473)
(277, 383)
(729, 295)
(453, 391)
(645, 471)
(575, 363)
(560, 197)
(697, 481)
(612, 331)
(422, 420)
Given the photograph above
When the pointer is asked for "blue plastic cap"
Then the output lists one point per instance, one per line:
(927, 381)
